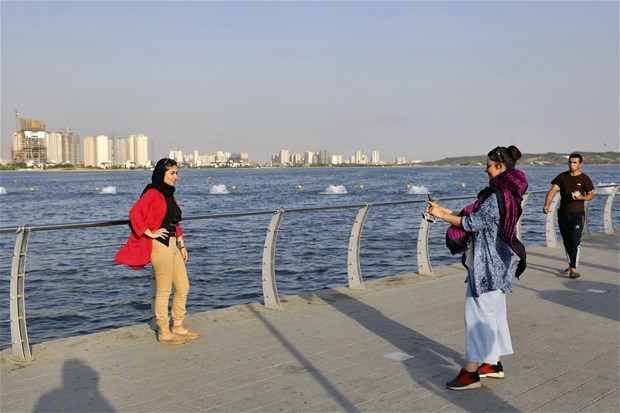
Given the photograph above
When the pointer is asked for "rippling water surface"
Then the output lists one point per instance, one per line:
(74, 287)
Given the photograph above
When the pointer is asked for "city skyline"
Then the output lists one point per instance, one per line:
(417, 79)
(33, 144)
(347, 157)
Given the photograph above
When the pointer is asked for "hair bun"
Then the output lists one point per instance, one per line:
(513, 152)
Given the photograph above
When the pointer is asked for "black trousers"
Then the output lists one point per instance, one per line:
(571, 228)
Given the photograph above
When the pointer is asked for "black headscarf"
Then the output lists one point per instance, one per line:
(157, 182)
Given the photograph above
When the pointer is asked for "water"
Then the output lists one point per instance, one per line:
(74, 287)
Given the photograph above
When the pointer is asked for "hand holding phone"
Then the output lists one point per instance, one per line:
(426, 214)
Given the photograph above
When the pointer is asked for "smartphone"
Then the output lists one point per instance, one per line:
(426, 215)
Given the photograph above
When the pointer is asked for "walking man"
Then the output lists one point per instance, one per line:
(575, 188)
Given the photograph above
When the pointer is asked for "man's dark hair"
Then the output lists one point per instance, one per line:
(576, 155)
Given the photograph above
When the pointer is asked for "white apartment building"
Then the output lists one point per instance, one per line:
(359, 158)
(336, 160)
(138, 146)
(221, 157)
(176, 155)
(132, 150)
(54, 148)
(207, 159)
(374, 157)
(296, 159)
(285, 157)
(98, 151)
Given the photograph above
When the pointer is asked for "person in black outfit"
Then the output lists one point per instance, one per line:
(575, 188)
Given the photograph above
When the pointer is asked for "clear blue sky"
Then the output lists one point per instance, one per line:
(424, 80)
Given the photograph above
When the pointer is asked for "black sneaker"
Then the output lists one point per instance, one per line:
(495, 371)
(465, 381)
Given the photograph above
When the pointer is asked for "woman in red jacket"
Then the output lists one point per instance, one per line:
(157, 237)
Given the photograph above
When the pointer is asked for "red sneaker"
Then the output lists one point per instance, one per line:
(465, 381)
(495, 371)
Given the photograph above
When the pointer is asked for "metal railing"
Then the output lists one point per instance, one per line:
(21, 351)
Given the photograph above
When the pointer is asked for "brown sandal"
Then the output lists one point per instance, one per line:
(187, 335)
(175, 339)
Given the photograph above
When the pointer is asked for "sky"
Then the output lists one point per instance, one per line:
(421, 80)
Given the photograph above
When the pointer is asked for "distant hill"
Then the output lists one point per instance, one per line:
(551, 158)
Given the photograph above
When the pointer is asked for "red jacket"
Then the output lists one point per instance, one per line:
(147, 213)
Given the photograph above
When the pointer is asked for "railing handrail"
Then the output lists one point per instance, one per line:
(33, 228)
(55, 227)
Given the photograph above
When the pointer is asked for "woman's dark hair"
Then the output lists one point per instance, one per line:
(508, 156)
(160, 169)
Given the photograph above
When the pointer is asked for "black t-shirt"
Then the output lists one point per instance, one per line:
(568, 184)
(170, 221)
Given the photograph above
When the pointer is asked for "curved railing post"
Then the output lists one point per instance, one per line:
(586, 229)
(526, 196)
(270, 289)
(552, 241)
(608, 223)
(353, 257)
(424, 261)
(19, 332)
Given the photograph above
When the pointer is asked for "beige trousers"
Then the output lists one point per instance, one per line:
(168, 270)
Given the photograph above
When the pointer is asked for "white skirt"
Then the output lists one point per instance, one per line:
(486, 327)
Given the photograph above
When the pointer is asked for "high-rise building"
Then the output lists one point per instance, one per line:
(29, 147)
(359, 158)
(374, 157)
(337, 160)
(220, 157)
(98, 151)
(54, 148)
(323, 158)
(176, 155)
(63, 147)
(285, 157)
(132, 150)
(139, 148)
(70, 147)
(296, 159)
(30, 142)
